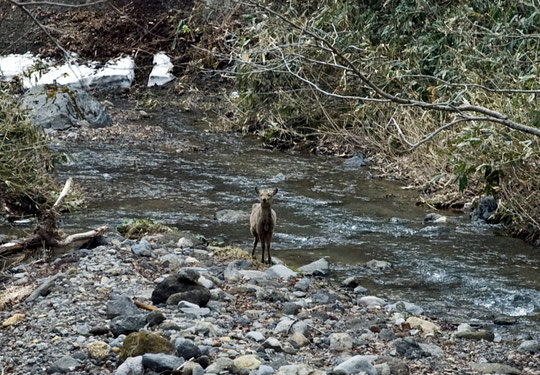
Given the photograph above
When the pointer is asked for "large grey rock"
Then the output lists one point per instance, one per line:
(411, 349)
(485, 208)
(65, 364)
(142, 249)
(172, 285)
(161, 362)
(379, 265)
(356, 365)
(482, 334)
(403, 306)
(298, 369)
(131, 366)
(219, 365)
(529, 346)
(371, 301)
(341, 342)
(199, 296)
(232, 273)
(120, 305)
(281, 272)
(494, 368)
(318, 268)
(61, 107)
(186, 349)
(126, 324)
(356, 161)
(273, 343)
(265, 370)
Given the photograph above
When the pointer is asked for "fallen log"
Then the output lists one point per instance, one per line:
(46, 233)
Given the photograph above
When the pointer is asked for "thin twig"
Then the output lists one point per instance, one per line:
(53, 3)
(466, 85)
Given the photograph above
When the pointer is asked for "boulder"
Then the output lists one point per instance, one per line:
(379, 265)
(485, 208)
(186, 348)
(298, 370)
(356, 161)
(98, 350)
(161, 362)
(62, 107)
(371, 301)
(318, 268)
(273, 343)
(139, 343)
(65, 364)
(120, 305)
(281, 272)
(529, 346)
(356, 365)
(172, 285)
(126, 324)
(481, 334)
(199, 296)
(219, 365)
(341, 342)
(298, 340)
(411, 349)
(494, 368)
(142, 249)
(247, 362)
(403, 306)
(435, 218)
(426, 326)
(131, 366)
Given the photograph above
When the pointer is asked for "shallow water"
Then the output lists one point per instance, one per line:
(324, 210)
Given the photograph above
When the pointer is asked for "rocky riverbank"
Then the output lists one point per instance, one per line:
(218, 312)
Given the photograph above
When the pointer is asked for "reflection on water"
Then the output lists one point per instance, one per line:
(324, 210)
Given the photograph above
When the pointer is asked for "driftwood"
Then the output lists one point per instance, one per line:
(46, 233)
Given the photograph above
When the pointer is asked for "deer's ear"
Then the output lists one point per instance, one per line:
(275, 191)
(257, 189)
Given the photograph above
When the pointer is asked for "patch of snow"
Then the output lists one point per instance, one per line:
(118, 73)
(14, 65)
(161, 73)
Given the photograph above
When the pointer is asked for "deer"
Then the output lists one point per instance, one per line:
(262, 221)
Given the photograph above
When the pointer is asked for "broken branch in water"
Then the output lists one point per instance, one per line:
(46, 233)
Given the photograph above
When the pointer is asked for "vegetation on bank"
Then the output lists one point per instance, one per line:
(135, 229)
(308, 72)
(26, 186)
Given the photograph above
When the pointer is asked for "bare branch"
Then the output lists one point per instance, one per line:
(63, 194)
(467, 85)
(42, 27)
(316, 87)
(491, 115)
(432, 134)
(53, 3)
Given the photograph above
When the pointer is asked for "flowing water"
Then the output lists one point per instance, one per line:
(324, 210)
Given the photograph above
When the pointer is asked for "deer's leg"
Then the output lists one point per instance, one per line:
(268, 250)
(263, 245)
(255, 242)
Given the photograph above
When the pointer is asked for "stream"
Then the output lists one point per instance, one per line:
(324, 209)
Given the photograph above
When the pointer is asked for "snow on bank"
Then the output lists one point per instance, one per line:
(15, 65)
(117, 73)
(162, 71)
